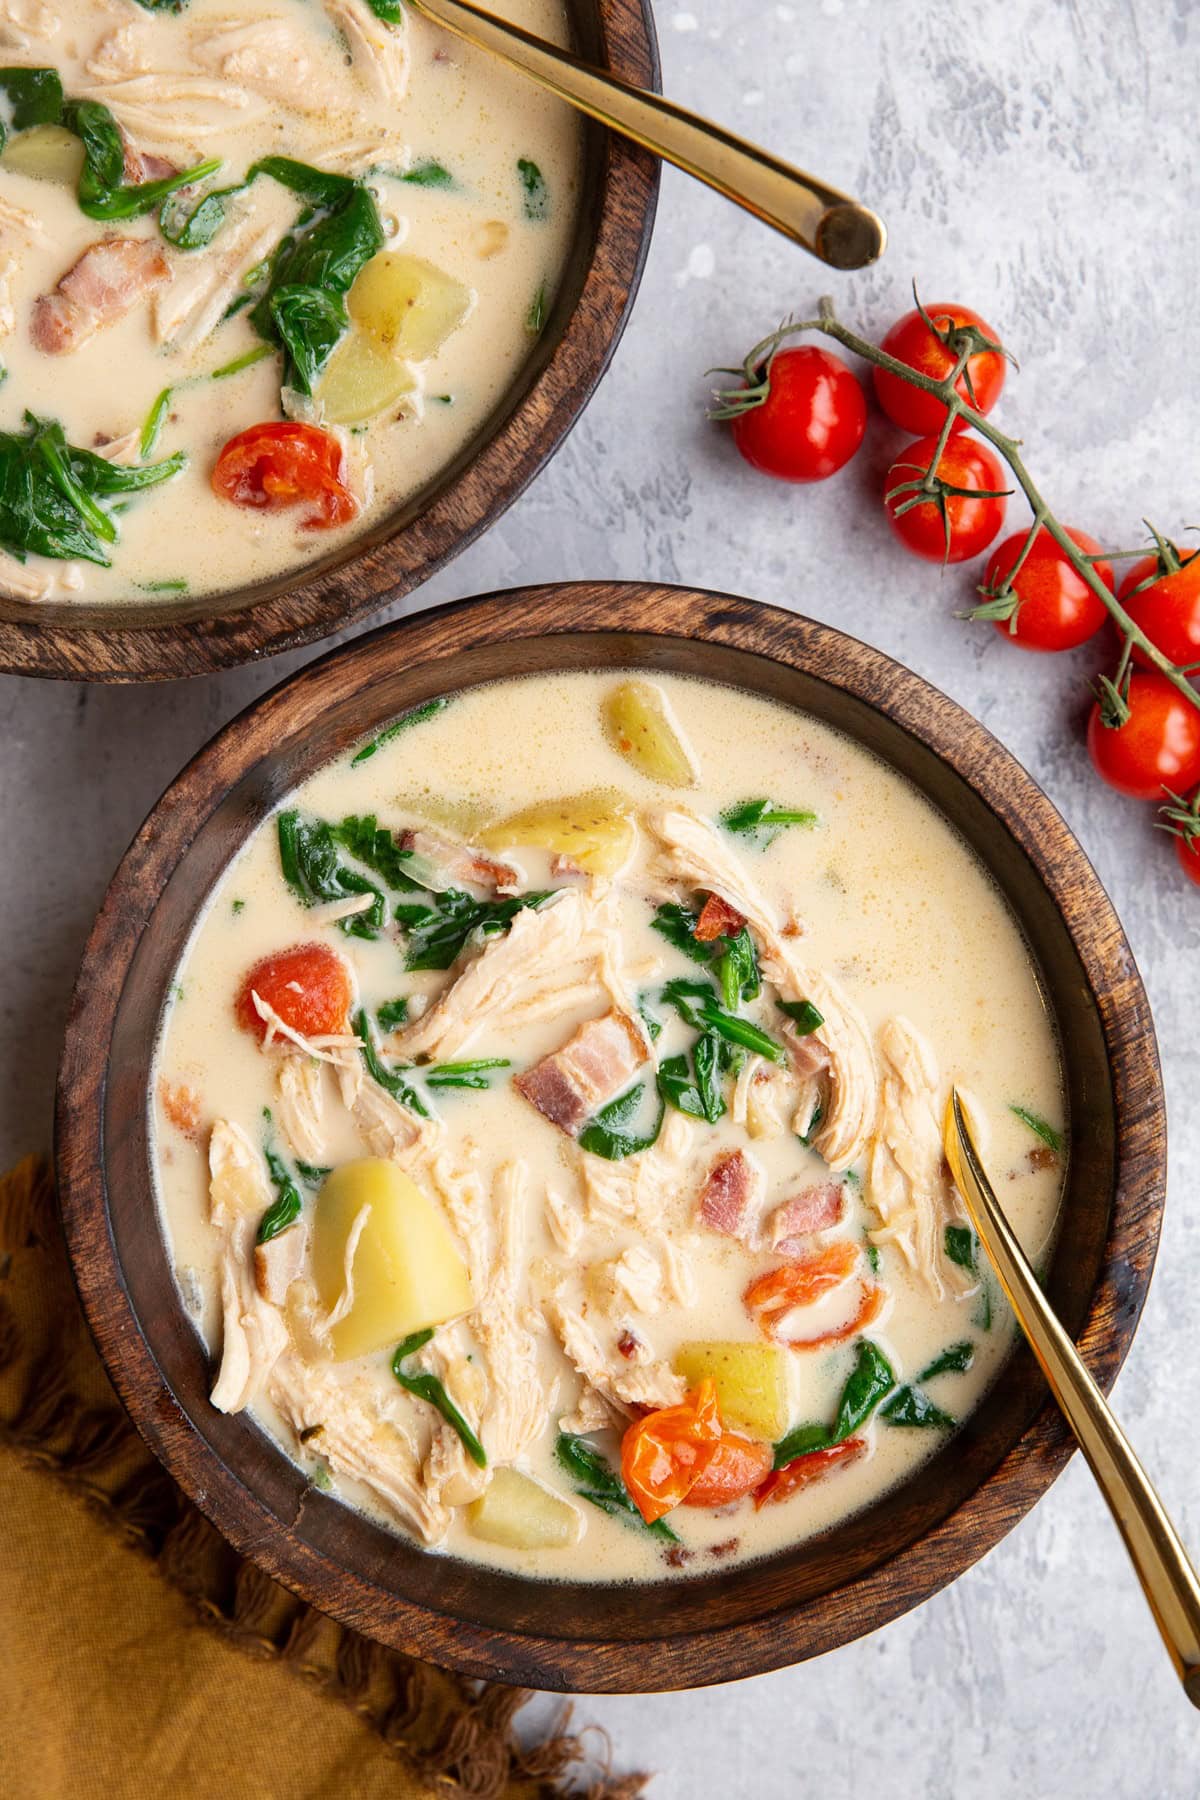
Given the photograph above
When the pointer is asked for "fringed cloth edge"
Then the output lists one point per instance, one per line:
(458, 1733)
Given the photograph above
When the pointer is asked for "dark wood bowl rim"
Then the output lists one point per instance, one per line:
(162, 641)
(422, 642)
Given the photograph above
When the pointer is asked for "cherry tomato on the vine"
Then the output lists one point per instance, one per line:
(811, 419)
(1168, 610)
(1157, 748)
(911, 341)
(955, 527)
(279, 464)
(1187, 849)
(1056, 609)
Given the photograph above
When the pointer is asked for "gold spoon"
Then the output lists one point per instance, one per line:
(1160, 1561)
(840, 230)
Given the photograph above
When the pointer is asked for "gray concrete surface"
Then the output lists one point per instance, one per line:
(1038, 160)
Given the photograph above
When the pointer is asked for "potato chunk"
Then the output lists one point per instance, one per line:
(406, 306)
(752, 1386)
(638, 723)
(47, 152)
(361, 381)
(522, 1514)
(405, 1271)
(593, 829)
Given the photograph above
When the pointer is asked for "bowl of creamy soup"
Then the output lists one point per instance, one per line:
(294, 299)
(501, 1134)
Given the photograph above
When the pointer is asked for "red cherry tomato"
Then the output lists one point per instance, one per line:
(665, 1453)
(1168, 611)
(1056, 609)
(1158, 746)
(308, 987)
(812, 420)
(804, 1470)
(280, 464)
(911, 341)
(739, 1465)
(973, 519)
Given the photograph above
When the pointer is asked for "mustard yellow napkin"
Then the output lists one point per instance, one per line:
(139, 1656)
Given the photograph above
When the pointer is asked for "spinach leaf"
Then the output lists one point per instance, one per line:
(312, 1174)
(309, 323)
(50, 492)
(697, 1003)
(390, 11)
(693, 1087)
(392, 1013)
(431, 174)
(738, 971)
(302, 308)
(609, 1135)
(678, 925)
(429, 1388)
(475, 1074)
(763, 821)
(535, 318)
(803, 1015)
(598, 1482)
(870, 1381)
(315, 873)
(31, 97)
(912, 1406)
(390, 1080)
(1039, 1127)
(535, 195)
(369, 842)
(437, 930)
(653, 1025)
(287, 1206)
(427, 710)
(962, 1247)
(806, 1137)
(954, 1361)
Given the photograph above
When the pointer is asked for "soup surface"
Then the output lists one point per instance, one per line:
(547, 1121)
(263, 268)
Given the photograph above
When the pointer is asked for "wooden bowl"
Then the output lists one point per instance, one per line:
(145, 639)
(707, 1628)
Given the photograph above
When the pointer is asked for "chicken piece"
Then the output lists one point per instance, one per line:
(300, 1104)
(565, 1222)
(265, 56)
(279, 1262)
(451, 864)
(254, 1335)
(596, 1064)
(626, 1386)
(103, 286)
(24, 23)
(32, 581)
(387, 1127)
(379, 50)
(462, 1194)
(518, 1402)
(643, 1188)
(633, 1279)
(731, 1195)
(206, 281)
(767, 1096)
(592, 1413)
(359, 1441)
(814, 1209)
(695, 853)
(538, 955)
(908, 1183)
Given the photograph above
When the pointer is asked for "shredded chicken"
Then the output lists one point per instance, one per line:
(38, 581)
(696, 854)
(300, 1104)
(279, 1262)
(267, 56)
(105, 283)
(625, 1386)
(909, 1184)
(645, 1188)
(379, 50)
(634, 1279)
(254, 1335)
(565, 1221)
(518, 1403)
(387, 1127)
(206, 281)
(24, 23)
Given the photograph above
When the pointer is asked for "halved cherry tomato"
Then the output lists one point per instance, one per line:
(737, 1468)
(664, 1454)
(782, 1483)
(281, 463)
(1168, 611)
(1056, 609)
(812, 420)
(801, 1282)
(1158, 746)
(308, 987)
(970, 521)
(911, 341)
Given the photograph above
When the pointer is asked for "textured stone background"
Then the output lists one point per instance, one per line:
(1038, 160)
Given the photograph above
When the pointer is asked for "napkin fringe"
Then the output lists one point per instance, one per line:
(457, 1733)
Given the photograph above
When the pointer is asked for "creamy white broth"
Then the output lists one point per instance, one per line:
(204, 82)
(893, 907)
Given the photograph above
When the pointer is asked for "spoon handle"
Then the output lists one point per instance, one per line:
(833, 226)
(1160, 1561)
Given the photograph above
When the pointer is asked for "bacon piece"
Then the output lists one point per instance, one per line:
(728, 1196)
(107, 282)
(717, 919)
(593, 1067)
(458, 865)
(813, 1209)
(182, 1107)
(143, 165)
(809, 1056)
(806, 1469)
